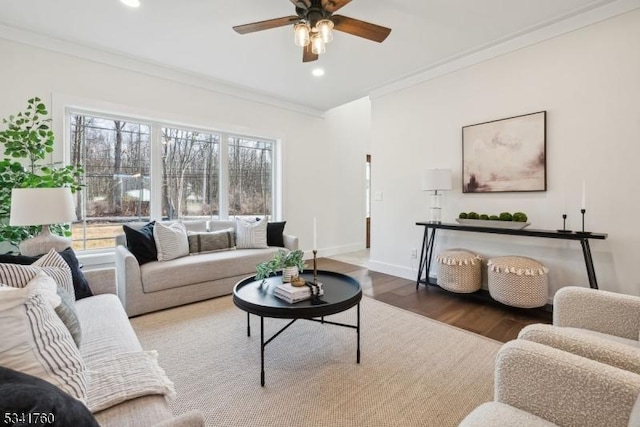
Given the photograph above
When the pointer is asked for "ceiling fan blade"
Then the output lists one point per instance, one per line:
(333, 5)
(302, 4)
(360, 28)
(266, 25)
(308, 55)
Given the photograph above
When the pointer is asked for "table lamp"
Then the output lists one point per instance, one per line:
(42, 206)
(436, 180)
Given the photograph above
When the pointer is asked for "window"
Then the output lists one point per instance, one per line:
(121, 179)
(250, 177)
(116, 156)
(190, 174)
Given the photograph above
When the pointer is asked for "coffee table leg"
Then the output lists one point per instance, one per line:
(358, 330)
(248, 324)
(262, 351)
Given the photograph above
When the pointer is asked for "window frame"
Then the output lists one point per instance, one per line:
(62, 154)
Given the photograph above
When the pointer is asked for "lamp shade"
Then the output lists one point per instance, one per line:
(40, 206)
(437, 179)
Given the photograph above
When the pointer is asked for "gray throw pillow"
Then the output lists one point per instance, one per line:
(214, 241)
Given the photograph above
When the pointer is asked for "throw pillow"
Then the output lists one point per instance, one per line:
(251, 235)
(275, 230)
(64, 305)
(141, 243)
(23, 393)
(34, 340)
(171, 241)
(214, 241)
(17, 276)
(80, 283)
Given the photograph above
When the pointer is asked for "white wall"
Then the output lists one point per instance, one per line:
(588, 81)
(314, 149)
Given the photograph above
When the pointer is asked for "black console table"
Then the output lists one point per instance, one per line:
(426, 254)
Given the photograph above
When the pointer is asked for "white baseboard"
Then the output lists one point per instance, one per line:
(393, 270)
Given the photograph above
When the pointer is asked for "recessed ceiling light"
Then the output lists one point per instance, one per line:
(318, 72)
(131, 3)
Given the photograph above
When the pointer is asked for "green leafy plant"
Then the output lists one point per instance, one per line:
(280, 260)
(28, 135)
(463, 215)
(484, 216)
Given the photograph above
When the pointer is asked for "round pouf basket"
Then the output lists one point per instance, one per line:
(460, 271)
(518, 281)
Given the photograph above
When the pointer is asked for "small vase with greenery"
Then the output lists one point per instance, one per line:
(282, 259)
(28, 135)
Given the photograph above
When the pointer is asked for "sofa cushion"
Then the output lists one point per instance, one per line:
(34, 340)
(157, 276)
(23, 393)
(213, 241)
(64, 307)
(140, 242)
(275, 232)
(17, 276)
(171, 241)
(80, 284)
(221, 224)
(493, 414)
(251, 234)
(103, 338)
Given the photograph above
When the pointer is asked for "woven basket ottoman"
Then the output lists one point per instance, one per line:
(518, 281)
(460, 271)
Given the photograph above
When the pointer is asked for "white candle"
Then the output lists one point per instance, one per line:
(315, 234)
(584, 195)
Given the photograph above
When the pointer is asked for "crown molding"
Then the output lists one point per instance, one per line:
(120, 60)
(593, 13)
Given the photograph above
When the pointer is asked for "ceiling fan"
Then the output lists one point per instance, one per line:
(313, 25)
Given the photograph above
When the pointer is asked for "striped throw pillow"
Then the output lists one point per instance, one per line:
(52, 264)
(214, 241)
(34, 340)
(171, 241)
(251, 235)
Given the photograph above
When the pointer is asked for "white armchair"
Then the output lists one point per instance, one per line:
(600, 325)
(540, 386)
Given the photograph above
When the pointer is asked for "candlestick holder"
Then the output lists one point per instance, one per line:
(583, 211)
(564, 225)
(315, 267)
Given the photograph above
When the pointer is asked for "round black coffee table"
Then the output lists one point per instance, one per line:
(341, 292)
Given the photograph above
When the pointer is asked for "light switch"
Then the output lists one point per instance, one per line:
(377, 196)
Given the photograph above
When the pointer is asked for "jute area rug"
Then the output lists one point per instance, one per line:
(413, 372)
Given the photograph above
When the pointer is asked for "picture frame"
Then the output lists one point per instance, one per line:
(505, 155)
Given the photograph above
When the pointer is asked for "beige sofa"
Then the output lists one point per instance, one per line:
(162, 284)
(106, 331)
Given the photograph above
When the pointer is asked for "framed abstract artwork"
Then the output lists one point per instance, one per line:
(505, 155)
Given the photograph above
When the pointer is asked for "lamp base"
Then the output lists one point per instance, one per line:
(43, 243)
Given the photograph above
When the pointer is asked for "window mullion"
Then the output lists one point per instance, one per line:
(224, 177)
(156, 172)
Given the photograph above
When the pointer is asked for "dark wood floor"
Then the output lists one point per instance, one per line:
(488, 318)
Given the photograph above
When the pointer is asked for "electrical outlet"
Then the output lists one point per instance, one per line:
(414, 253)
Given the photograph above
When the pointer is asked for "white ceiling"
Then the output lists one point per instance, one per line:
(196, 36)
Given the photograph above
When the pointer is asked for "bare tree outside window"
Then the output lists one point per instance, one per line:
(116, 158)
(190, 174)
(250, 177)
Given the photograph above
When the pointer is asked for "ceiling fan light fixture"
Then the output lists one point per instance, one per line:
(301, 34)
(325, 29)
(317, 44)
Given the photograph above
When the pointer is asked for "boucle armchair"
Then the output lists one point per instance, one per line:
(540, 386)
(599, 325)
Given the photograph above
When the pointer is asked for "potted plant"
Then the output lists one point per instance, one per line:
(291, 262)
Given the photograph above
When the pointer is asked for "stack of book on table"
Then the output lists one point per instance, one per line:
(293, 294)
